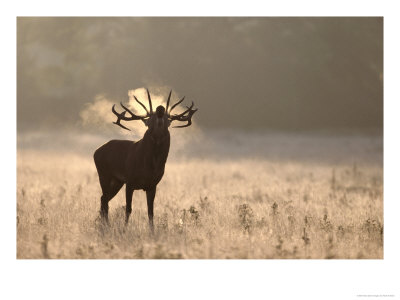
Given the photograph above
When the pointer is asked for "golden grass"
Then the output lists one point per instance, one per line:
(204, 208)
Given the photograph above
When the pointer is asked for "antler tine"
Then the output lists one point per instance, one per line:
(151, 107)
(187, 118)
(121, 116)
(118, 122)
(169, 98)
(182, 114)
(177, 103)
(147, 112)
(133, 116)
(115, 112)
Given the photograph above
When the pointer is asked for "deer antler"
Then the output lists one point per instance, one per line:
(169, 98)
(147, 112)
(121, 116)
(185, 116)
(177, 103)
(151, 107)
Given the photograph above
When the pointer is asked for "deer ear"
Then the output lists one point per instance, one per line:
(146, 122)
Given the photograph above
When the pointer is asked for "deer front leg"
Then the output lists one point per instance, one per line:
(150, 201)
(104, 209)
(128, 192)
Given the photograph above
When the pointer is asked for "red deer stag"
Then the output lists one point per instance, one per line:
(140, 165)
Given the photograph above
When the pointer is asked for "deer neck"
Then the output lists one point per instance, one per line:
(157, 149)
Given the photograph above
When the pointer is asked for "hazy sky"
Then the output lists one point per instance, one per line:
(246, 73)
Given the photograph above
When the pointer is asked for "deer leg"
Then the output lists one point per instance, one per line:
(104, 209)
(128, 192)
(108, 193)
(105, 183)
(150, 201)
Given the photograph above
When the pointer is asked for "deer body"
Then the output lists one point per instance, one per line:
(139, 165)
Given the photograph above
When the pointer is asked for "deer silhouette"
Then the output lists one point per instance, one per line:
(139, 165)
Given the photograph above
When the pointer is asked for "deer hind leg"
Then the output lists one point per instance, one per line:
(110, 187)
(129, 192)
(150, 194)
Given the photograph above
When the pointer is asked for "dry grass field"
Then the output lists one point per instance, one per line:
(226, 196)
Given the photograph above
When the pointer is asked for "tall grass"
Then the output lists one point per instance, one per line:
(238, 207)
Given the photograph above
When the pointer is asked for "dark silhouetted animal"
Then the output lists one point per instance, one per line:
(140, 165)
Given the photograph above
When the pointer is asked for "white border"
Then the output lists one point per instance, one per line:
(250, 279)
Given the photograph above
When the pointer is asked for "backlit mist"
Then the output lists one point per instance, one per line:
(242, 73)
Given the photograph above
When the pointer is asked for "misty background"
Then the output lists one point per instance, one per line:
(290, 74)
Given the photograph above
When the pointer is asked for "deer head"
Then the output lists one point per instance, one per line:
(158, 121)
